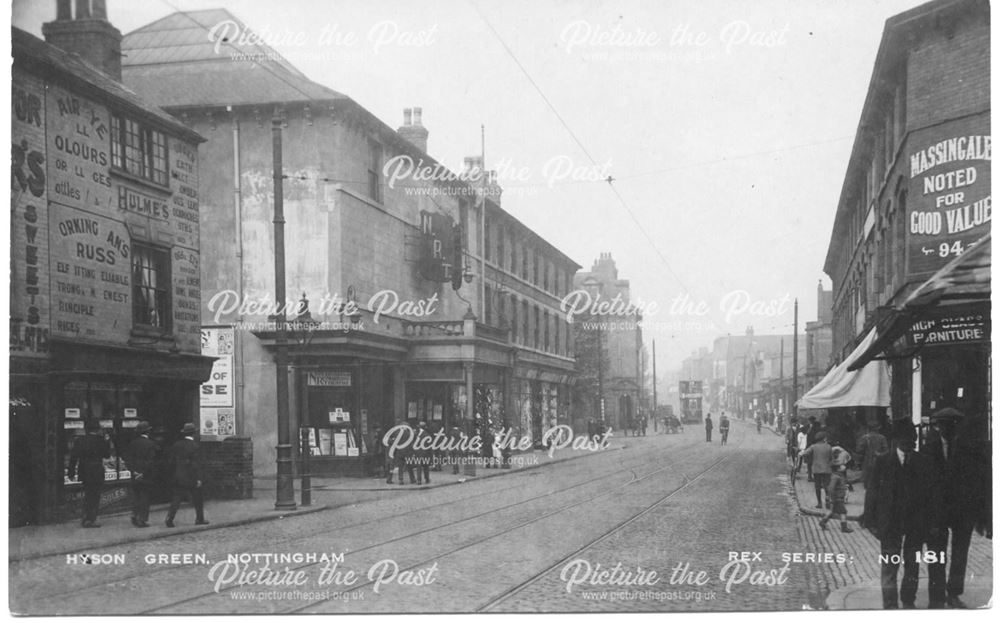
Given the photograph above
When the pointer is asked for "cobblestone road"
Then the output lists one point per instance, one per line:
(501, 544)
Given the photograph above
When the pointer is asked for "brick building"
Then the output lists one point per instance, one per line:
(916, 196)
(618, 348)
(409, 319)
(105, 242)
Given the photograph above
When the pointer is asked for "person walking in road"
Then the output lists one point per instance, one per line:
(758, 421)
(902, 510)
(708, 428)
(87, 458)
(184, 459)
(140, 457)
(820, 454)
(724, 428)
(837, 492)
(961, 460)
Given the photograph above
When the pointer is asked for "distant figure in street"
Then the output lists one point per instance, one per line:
(724, 428)
(836, 491)
(802, 442)
(758, 420)
(811, 431)
(185, 476)
(902, 510)
(88, 455)
(821, 456)
(791, 446)
(708, 427)
(140, 457)
(421, 456)
(961, 460)
(643, 423)
(872, 444)
(487, 449)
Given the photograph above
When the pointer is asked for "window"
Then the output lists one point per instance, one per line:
(557, 343)
(488, 305)
(150, 286)
(547, 346)
(138, 149)
(513, 319)
(513, 253)
(545, 275)
(537, 332)
(374, 166)
(524, 262)
(524, 320)
(535, 259)
(116, 406)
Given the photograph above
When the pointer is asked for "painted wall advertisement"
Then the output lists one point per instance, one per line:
(29, 253)
(218, 416)
(949, 203)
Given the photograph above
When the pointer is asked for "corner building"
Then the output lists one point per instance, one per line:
(105, 274)
(916, 197)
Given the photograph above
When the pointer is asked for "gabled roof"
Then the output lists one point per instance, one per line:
(32, 54)
(205, 58)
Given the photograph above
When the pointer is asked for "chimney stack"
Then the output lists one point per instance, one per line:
(413, 130)
(88, 34)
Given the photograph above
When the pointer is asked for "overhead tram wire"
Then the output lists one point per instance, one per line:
(610, 180)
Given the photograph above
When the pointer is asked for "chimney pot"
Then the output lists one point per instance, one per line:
(82, 9)
(64, 10)
(417, 114)
(88, 35)
(100, 9)
(407, 117)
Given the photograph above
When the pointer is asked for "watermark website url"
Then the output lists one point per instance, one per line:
(626, 595)
(298, 595)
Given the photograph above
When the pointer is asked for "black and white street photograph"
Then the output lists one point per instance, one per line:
(392, 307)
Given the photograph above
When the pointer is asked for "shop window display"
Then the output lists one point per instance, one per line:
(116, 406)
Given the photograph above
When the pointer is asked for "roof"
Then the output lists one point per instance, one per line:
(33, 54)
(206, 58)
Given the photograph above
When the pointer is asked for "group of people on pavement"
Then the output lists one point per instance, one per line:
(935, 497)
(418, 458)
(153, 468)
(637, 426)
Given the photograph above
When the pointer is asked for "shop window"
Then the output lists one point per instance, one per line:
(150, 286)
(332, 417)
(116, 406)
(138, 149)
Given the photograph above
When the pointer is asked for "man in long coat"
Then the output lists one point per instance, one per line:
(185, 476)
(140, 456)
(88, 455)
(962, 460)
(901, 510)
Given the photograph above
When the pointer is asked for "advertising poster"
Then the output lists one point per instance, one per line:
(529, 309)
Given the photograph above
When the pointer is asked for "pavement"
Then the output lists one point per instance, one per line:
(857, 586)
(30, 542)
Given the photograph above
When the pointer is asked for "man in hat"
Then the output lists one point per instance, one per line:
(708, 428)
(872, 444)
(88, 454)
(185, 475)
(140, 456)
(963, 467)
(901, 509)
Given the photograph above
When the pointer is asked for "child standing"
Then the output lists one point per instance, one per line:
(837, 492)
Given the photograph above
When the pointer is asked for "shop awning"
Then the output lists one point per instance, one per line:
(964, 280)
(867, 387)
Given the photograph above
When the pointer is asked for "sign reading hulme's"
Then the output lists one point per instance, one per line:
(949, 205)
(29, 251)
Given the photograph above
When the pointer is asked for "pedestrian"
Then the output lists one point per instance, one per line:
(811, 432)
(758, 420)
(398, 458)
(871, 445)
(901, 511)
(708, 427)
(820, 454)
(791, 447)
(836, 491)
(140, 457)
(86, 458)
(185, 470)
(724, 428)
(802, 442)
(422, 454)
(962, 463)
(487, 449)
(643, 424)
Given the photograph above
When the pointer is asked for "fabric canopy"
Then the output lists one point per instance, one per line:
(867, 387)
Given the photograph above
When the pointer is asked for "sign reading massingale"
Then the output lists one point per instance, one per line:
(949, 202)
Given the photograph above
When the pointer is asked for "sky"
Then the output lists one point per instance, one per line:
(725, 125)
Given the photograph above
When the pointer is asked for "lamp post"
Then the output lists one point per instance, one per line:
(285, 494)
(305, 327)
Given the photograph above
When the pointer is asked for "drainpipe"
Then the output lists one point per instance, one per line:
(238, 216)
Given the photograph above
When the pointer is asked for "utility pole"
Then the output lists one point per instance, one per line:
(795, 361)
(285, 497)
(653, 412)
